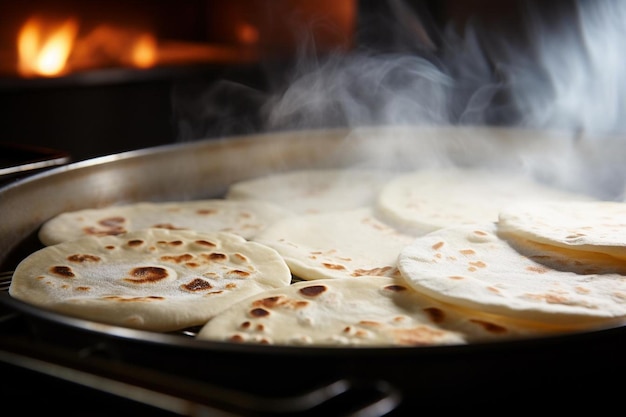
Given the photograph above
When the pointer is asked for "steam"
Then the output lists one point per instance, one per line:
(560, 66)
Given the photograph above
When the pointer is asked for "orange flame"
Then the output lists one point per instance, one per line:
(44, 49)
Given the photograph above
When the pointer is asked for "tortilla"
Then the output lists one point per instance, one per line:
(341, 244)
(245, 218)
(597, 226)
(422, 201)
(314, 190)
(152, 279)
(472, 267)
(368, 311)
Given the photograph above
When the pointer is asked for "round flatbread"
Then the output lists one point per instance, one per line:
(152, 279)
(341, 244)
(422, 201)
(368, 311)
(314, 191)
(245, 218)
(473, 267)
(597, 226)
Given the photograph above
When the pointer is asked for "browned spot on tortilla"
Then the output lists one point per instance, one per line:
(268, 301)
(467, 251)
(436, 315)
(456, 277)
(537, 269)
(214, 256)
(478, 264)
(147, 274)
(167, 226)
(260, 327)
(417, 336)
(185, 257)
(381, 271)
(259, 312)
(62, 271)
(230, 286)
(240, 257)
(245, 215)
(197, 284)
(82, 288)
(112, 221)
(133, 299)
(80, 258)
(395, 288)
(192, 264)
(493, 289)
(437, 245)
(135, 242)
(370, 323)
(313, 290)
(109, 247)
(205, 243)
(490, 327)
(245, 325)
(237, 338)
(206, 211)
(239, 273)
(582, 290)
(333, 266)
(480, 233)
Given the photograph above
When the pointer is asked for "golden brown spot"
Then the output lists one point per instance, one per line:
(493, 290)
(436, 315)
(135, 242)
(418, 336)
(260, 327)
(300, 304)
(467, 251)
(582, 290)
(556, 299)
(381, 271)
(268, 301)
(347, 329)
(490, 327)
(259, 312)
(456, 277)
(83, 258)
(147, 274)
(205, 243)
(245, 325)
(437, 245)
(313, 290)
(478, 264)
(334, 267)
(240, 257)
(109, 247)
(480, 233)
(177, 258)
(62, 271)
(395, 288)
(537, 269)
(370, 323)
(230, 286)
(237, 338)
(192, 264)
(206, 211)
(112, 221)
(196, 284)
(82, 288)
(239, 273)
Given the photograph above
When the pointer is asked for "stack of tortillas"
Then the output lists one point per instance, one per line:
(369, 258)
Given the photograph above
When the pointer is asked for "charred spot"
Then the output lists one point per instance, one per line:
(436, 314)
(205, 243)
(62, 271)
(395, 288)
(147, 274)
(313, 290)
(239, 273)
(259, 312)
(135, 242)
(80, 258)
(109, 247)
(186, 257)
(245, 325)
(215, 256)
(490, 327)
(196, 284)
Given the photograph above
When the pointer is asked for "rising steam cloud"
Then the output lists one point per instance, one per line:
(560, 66)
